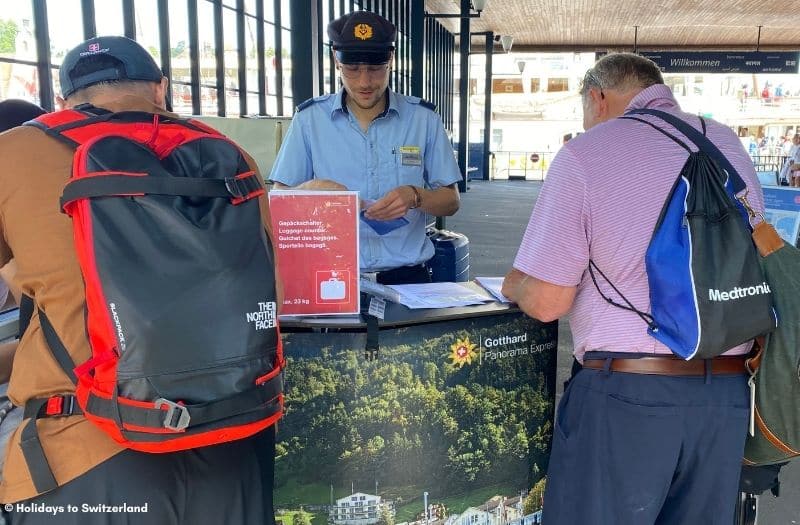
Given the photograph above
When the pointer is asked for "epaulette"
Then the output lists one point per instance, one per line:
(425, 104)
(310, 102)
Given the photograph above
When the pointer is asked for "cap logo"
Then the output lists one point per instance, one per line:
(93, 49)
(363, 31)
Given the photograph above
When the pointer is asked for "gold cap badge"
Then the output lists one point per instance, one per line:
(363, 31)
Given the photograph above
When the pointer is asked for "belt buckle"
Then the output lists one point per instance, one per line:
(370, 276)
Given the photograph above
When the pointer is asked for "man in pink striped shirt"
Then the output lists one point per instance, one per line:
(640, 437)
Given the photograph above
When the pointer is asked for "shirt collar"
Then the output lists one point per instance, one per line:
(134, 103)
(657, 96)
(340, 106)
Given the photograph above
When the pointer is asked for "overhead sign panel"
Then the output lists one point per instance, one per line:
(725, 62)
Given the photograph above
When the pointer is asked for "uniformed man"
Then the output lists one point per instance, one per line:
(391, 148)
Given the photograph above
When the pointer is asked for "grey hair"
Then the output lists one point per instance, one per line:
(122, 87)
(622, 72)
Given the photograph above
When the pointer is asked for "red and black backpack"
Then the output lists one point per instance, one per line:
(181, 307)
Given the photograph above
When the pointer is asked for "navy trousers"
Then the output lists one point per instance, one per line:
(634, 449)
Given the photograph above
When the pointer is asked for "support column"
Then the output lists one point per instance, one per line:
(417, 40)
(487, 104)
(305, 57)
(463, 112)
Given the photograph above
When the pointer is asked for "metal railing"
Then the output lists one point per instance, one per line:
(768, 162)
(533, 165)
(522, 165)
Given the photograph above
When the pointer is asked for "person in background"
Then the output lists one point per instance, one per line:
(641, 437)
(225, 483)
(13, 113)
(790, 172)
(389, 147)
(752, 146)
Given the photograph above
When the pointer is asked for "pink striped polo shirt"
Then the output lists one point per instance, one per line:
(602, 197)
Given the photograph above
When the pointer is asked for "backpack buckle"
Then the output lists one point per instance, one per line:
(59, 406)
(236, 187)
(243, 187)
(170, 420)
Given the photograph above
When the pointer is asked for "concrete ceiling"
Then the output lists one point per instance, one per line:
(588, 25)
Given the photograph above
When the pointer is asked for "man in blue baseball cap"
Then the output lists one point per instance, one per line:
(107, 67)
(389, 147)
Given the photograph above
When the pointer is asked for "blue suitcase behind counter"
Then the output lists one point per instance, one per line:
(450, 263)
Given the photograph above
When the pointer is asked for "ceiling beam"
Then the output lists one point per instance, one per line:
(568, 48)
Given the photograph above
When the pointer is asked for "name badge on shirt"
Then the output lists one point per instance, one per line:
(410, 156)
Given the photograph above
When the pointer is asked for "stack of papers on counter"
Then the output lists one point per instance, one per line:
(493, 285)
(437, 295)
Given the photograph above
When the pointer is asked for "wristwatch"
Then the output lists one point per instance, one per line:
(417, 198)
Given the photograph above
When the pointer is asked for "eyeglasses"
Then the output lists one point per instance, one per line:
(354, 70)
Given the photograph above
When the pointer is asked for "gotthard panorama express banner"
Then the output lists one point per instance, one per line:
(456, 414)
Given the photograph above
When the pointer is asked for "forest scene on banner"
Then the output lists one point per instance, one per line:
(459, 410)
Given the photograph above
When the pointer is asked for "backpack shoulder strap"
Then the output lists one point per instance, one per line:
(69, 125)
(646, 317)
(700, 140)
(665, 132)
(60, 405)
(59, 123)
(201, 126)
(26, 308)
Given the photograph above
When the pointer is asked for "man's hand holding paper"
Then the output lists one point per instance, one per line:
(380, 226)
(393, 205)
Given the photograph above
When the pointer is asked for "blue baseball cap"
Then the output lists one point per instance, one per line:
(134, 63)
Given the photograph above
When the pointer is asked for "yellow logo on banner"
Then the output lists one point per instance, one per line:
(363, 31)
(462, 352)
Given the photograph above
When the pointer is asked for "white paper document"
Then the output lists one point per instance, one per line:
(438, 295)
(493, 285)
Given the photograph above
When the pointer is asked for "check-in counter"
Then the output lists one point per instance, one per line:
(456, 404)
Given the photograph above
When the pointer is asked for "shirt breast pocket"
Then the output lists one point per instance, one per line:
(410, 166)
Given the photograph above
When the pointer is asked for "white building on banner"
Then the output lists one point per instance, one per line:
(496, 511)
(359, 509)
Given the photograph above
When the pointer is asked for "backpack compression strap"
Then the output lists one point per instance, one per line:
(239, 188)
(166, 415)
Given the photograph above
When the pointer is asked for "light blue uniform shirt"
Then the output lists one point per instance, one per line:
(407, 144)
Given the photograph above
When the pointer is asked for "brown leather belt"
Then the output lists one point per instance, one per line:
(670, 366)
